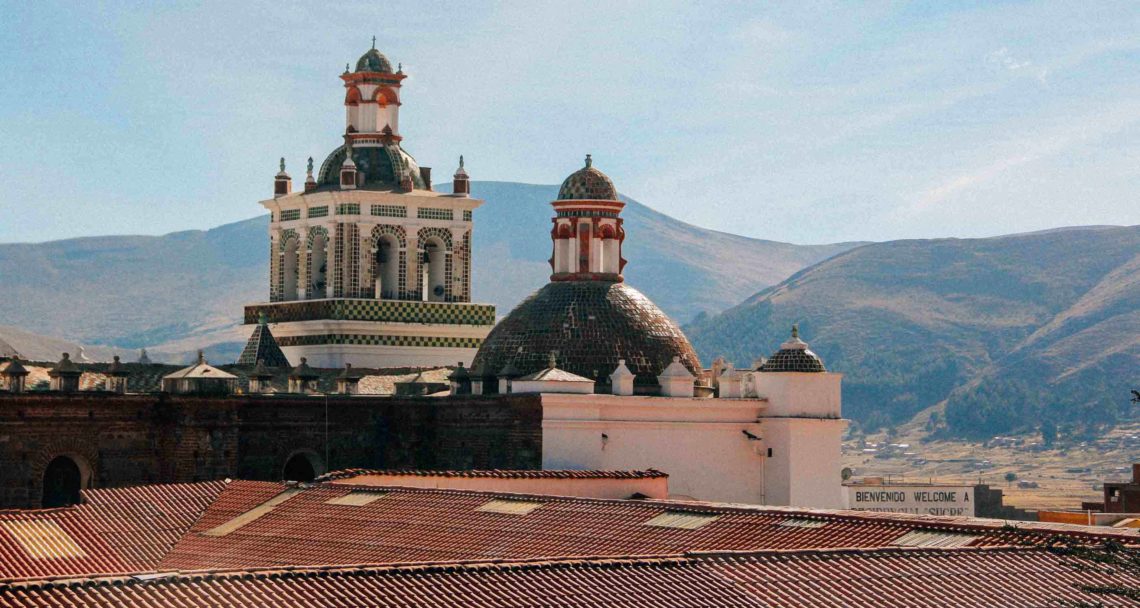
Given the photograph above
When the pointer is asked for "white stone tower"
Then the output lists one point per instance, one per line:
(802, 427)
(369, 265)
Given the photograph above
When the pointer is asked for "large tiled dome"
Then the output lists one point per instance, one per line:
(588, 183)
(591, 325)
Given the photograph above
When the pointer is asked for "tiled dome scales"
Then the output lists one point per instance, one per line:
(587, 314)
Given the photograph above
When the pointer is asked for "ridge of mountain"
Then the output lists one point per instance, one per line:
(1005, 331)
(185, 290)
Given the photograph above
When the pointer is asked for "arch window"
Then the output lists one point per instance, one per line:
(302, 465)
(63, 479)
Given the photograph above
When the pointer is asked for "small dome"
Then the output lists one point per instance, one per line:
(374, 61)
(794, 356)
(588, 183)
(592, 325)
(382, 166)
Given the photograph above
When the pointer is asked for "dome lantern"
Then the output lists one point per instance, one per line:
(588, 230)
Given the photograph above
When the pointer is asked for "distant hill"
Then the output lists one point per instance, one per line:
(182, 291)
(1005, 331)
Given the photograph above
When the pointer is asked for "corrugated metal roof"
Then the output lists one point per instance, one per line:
(43, 539)
(682, 520)
(510, 507)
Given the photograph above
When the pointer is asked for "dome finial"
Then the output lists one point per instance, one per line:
(460, 161)
(262, 318)
(552, 362)
(795, 330)
(374, 43)
(309, 169)
(282, 164)
(589, 161)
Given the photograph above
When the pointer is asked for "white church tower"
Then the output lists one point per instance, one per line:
(368, 264)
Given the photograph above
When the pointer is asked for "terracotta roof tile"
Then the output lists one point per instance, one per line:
(496, 474)
(431, 525)
(824, 579)
(114, 530)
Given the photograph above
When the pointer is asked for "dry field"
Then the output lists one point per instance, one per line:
(1064, 476)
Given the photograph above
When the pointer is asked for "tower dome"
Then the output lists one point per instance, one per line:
(588, 183)
(794, 356)
(586, 314)
(374, 61)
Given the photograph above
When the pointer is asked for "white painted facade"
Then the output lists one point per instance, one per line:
(779, 449)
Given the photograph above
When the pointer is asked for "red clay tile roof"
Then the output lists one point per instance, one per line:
(430, 525)
(497, 474)
(113, 531)
(825, 579)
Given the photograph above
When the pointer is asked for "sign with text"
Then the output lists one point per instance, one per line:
(921, 500)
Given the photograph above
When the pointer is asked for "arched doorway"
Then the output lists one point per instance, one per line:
(302, 466)
(436, 257)
(63, 478)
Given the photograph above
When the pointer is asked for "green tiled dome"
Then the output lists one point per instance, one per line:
(374, 61)
(381, 165)
(591, 325)
(588, 183)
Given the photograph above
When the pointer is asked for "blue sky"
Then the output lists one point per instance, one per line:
(798, 122)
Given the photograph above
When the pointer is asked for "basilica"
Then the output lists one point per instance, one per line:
(370, 278)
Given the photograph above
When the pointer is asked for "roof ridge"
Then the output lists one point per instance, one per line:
(500, 473)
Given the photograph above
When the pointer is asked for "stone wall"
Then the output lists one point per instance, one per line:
(121, 440)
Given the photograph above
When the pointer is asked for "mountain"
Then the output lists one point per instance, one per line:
(182, 291)
(1004, 332)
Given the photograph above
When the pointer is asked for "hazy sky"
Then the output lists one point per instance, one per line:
(808, 125)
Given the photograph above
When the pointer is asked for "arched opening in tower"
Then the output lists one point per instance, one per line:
(62, 481)
(436, 255)
(386, 268)
(318, 267)
(289, 269)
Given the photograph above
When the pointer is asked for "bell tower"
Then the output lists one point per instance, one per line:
(369, 265)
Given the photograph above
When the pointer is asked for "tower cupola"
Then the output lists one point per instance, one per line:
(461, 182)
(372, 98)
(282, 183)
(587, 231)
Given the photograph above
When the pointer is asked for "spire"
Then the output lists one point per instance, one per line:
(374, 43)
(310, 181)
(282, 184)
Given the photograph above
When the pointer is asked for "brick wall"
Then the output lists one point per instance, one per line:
(133, 439)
